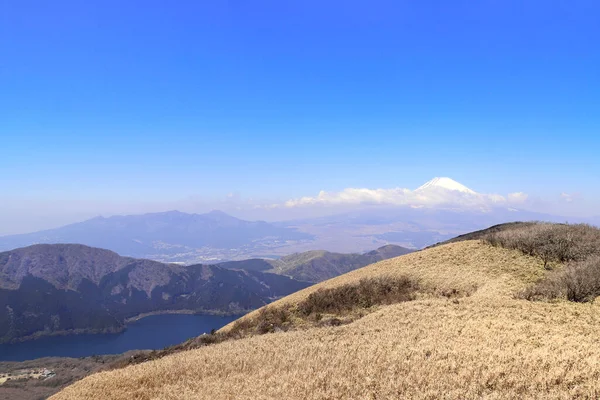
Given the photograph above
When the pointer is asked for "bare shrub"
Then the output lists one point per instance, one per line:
(576, 245)
(578, 281)
(364, 294)
(551, 242)
(269, 319)
(338, 301)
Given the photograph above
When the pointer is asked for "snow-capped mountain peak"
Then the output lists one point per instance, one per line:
(445, 183)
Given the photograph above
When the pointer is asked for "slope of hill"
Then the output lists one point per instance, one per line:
(153, 235)
(464, 335)
(45, 289)
(317, 265)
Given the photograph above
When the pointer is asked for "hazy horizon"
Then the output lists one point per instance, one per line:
(334, 203)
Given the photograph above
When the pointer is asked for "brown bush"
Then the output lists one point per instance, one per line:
(578, 281)
(576, 245)
(269, 319)
(559, 243)
(338, 301)
(365, 294)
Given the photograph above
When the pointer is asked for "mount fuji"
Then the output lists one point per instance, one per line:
(446, 184)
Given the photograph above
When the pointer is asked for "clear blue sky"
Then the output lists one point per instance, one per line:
(125, 101)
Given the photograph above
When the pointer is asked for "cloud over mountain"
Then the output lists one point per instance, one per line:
(439, 192)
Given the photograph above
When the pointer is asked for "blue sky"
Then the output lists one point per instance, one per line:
(110, 105)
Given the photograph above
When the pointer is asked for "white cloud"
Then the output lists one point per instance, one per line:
(518, 198)
(569, 197)
(432, 197)
(353, 196)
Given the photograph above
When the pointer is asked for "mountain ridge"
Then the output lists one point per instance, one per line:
(318, 265)
(167, 233)
(51, 288)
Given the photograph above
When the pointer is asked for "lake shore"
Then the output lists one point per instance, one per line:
(123, 327)
(68, 332)
(79, 355)
(187, 312)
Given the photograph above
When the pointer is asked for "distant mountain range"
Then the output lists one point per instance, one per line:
(215, 237)
(317, 265)
(167, 236)
(46, 289)
(438, 210)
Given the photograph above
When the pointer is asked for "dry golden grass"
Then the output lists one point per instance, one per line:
(464, 267)
(488, 345)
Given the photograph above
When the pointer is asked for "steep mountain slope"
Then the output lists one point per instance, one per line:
(318, 265)
(45, 289)
(158, 233)
(485, 344)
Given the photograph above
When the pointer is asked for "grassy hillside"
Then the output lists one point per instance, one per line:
(464, 332)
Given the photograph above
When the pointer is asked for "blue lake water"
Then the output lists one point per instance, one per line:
(150, 333)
